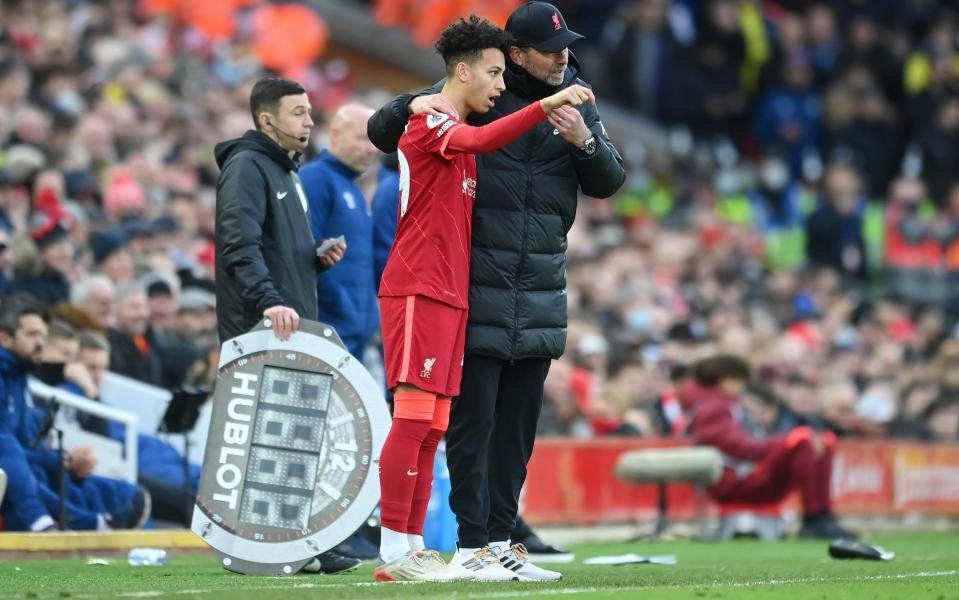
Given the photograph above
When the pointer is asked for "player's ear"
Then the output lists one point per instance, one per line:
(462, 72)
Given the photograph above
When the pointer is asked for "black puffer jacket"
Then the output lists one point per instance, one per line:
(265, 253)
(525, 204)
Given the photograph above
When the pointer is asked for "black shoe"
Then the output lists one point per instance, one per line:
(134, 514)
(357, 546)
(824, 526)
(854, 549)
(330, 563)
(539, 551)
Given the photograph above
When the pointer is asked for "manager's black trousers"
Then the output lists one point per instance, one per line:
(489, 442)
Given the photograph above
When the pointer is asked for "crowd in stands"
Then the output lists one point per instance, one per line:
(802, 212)
(800, 209)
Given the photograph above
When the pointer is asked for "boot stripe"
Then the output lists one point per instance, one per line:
(511, 564)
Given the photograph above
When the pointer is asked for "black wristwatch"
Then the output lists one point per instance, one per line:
(589, 146)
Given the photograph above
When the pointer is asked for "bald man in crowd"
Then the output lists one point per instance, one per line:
(347, 296)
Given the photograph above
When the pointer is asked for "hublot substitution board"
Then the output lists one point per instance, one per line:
(291, 463)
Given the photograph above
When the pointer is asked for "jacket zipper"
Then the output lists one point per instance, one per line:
(522, 262)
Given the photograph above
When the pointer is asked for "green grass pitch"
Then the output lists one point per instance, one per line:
(926, 566)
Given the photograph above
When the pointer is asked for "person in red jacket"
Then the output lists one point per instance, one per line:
(760, 469)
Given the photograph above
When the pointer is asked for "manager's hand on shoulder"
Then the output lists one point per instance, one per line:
(284, 319)
(434, 104)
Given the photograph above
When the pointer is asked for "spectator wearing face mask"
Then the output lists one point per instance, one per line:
(778, 212)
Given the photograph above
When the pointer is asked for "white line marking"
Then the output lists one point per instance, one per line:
(547, 590)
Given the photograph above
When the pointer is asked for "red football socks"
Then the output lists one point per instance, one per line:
(400, 459)
(424, 481)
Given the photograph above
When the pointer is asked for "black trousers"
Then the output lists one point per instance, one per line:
(489, 442)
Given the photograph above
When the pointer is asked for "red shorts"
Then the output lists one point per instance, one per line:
(423, 341)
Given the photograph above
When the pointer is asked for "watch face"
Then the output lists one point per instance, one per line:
(294, 436)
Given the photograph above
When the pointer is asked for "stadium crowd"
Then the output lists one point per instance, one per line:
(801, 213)
(795, 204)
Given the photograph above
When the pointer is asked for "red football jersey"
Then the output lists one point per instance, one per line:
(431, 253)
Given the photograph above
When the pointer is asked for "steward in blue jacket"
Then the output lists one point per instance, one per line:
(346, 296)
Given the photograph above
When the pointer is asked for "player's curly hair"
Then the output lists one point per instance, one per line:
(465, 40)
(710, 371)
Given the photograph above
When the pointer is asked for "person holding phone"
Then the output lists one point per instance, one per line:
(338, 207)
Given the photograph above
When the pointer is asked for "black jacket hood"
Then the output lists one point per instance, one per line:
(258, 142)
(524, 85)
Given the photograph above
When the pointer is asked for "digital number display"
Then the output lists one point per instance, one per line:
(285, 449)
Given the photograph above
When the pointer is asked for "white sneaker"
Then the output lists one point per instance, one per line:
(515, 559)
(485, 566)
(422, 565)
(446, 572)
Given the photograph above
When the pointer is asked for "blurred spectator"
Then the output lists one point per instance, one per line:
(92, 303)
(44, 276)
(839, 399)
(196, 318)
(639, 45)
(134, 348)
(865, 48)
(162, 304)
(916, 401)
(913, 253)
(112, 256)
(703, 88)
(561, 413)
(834, 236)
(789, 39)
(863, 129)
(939, 145)
(825, 42)
(787, 118)
(778, 213)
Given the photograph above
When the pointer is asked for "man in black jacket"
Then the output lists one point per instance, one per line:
(525, 204)
(266, 256)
